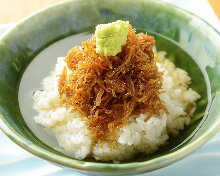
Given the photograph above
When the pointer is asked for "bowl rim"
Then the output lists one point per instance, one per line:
(72, 163)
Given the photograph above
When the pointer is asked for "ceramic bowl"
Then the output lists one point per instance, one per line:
(191, 43)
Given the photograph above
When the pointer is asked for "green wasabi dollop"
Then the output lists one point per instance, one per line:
(111, 37)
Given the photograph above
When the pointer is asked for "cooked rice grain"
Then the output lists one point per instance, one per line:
(138, 136)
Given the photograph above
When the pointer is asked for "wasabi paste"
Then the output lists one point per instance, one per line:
(111, 37)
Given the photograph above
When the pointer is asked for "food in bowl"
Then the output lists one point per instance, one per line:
(114, 105)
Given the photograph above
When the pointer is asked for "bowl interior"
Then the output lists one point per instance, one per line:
(189, 42)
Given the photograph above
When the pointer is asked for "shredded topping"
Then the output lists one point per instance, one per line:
(108, 90)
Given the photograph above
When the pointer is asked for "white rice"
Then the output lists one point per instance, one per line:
(138, 136)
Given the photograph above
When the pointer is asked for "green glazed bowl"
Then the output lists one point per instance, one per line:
(191, 43)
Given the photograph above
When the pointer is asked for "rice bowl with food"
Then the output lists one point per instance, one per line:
(132, 100)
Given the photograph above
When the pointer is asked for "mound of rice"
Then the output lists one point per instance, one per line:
(138, 136)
